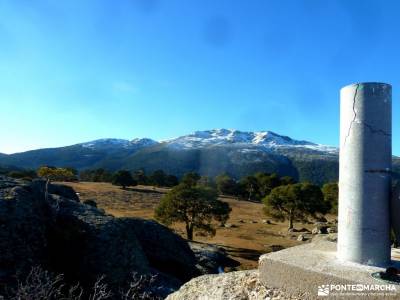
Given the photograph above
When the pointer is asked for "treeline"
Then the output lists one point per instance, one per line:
(259, 186)
(158, 178)
(251, 188)
(50, 172)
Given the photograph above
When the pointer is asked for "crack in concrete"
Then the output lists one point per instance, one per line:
(373, 130)
(378, 171)
(355, 115)
(380, 131)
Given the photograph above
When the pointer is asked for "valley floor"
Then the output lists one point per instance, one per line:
(245, 236)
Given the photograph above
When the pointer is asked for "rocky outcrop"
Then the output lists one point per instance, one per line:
(45, 224)
(211, 259)
(165, 251)
(24, 219)
(63, 190)
(85, 244)
(242, 285)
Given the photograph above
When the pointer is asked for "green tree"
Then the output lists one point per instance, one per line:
(294, 202)
(158, 178)
(190, 179)
(266, 183)
(123, 178)
(196, 206)
(72, 170)
(96, 175)
(140, 177)
(171, 180)
(206, 181)
(285, 180)
(23, 174)
(331, 195)
(226, 185)
(102, 175)
(56, 174)
(249, 187)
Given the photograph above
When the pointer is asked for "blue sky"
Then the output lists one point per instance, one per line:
(74, 71)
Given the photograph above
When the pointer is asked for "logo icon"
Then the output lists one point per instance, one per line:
(323, 290)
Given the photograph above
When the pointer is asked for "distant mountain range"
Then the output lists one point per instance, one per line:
(209, 152)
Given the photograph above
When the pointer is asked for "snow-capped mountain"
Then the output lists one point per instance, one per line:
(105, 142)
(119, 143)
(209, 152)
(266, 140)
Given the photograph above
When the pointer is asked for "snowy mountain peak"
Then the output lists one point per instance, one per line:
(119, 143)
(105, 142)
(262, 140)
(143, 142)
(267, 140)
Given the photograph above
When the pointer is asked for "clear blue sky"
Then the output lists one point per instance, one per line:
(74, 70)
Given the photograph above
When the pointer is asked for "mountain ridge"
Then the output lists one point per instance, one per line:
(212, 137)
(216, 137)
(208, 152)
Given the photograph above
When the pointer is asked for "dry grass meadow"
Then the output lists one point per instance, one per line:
(245, 240)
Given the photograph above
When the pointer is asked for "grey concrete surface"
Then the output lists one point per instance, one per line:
(300, 270)
(395, 211)
(364, 173)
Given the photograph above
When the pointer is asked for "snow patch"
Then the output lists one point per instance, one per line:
(266, 140)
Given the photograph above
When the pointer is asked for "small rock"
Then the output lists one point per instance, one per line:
(320, 229)
(331, 230)
(275, 248)
(228, 225)
(301, 238)
(320, 223)
(322, 219)
(332, 237)
(90, 202)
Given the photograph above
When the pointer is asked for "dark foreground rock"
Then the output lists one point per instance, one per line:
(165, 251)
(211, 259)
(45, 225)
(24, 219)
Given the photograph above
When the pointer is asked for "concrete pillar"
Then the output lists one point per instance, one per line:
(395, 211)
(364, 173)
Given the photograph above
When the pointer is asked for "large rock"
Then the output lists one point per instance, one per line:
(243, 285)
(165, 250)
(45, 224)
(24, 218)
(64, 191)
(85, 244)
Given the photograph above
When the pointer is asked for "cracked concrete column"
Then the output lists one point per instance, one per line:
(364, 173)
